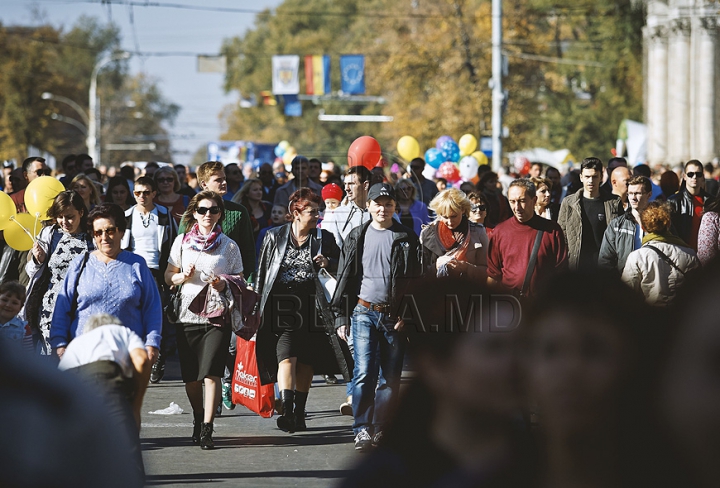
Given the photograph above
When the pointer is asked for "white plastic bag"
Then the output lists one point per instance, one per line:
(173, 409)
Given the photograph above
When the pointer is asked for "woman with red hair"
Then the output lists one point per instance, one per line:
(292, 344)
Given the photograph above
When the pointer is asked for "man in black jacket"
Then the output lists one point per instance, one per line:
(687, 204)
(377, 261)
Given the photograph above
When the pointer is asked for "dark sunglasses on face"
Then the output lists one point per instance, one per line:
(478, 208)
(214, 210)
(110, 231)
(41, 172)
(697, 174)
(144, 193)
(164, 180)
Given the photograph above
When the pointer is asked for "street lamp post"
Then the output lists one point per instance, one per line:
(94, 106)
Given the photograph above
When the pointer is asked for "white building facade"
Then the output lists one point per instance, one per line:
(681, 86)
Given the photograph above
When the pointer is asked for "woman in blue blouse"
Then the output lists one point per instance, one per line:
(108, 280)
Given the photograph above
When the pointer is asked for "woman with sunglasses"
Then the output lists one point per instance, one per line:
(55, 248)
(198, 258)
(452, 244)
(168, 185)
(413, 212)
(87, 190)
(291, 347)
(478, 208)
(108, 280)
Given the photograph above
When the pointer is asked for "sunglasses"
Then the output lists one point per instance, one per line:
(214, 210)
(164, 180)
(696, 174)
(478, 208)
(41, 172)
(110, 231)
(144, 193)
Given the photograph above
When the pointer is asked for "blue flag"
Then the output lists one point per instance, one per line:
(352, 74)
(293, 106)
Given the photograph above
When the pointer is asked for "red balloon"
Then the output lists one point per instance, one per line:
(364, 151)
(449, 171)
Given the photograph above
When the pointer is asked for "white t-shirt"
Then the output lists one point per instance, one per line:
(106, 343)
(144, 235)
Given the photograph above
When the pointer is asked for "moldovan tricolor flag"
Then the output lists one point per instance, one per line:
(285, 80)
(317, 75)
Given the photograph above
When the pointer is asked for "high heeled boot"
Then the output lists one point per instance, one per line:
(197, 425)
(206, 432)
(300, 402)
(286, 422)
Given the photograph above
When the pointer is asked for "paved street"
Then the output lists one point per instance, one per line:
(250, 450)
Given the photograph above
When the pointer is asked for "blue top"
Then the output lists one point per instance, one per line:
(124, 287)
(13, 331)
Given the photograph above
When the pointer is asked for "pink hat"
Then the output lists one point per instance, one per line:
(332, 191)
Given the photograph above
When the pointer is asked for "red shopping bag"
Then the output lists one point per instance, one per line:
(246, 387)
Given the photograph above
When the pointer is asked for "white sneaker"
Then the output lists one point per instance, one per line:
(346, 409)
(363, 441)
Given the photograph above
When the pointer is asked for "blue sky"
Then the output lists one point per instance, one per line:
(162, 30)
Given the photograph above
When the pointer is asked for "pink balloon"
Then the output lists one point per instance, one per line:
(449, 171)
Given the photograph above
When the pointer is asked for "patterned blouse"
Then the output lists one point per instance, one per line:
(296, 266)
(708, 237)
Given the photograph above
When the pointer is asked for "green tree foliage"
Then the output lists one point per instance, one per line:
(575, 71)
(45, 59)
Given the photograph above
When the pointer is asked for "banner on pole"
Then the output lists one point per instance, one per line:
(317, 75)
(352, 74)
(285, 80)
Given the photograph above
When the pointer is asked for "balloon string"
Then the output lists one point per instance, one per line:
(23, 228)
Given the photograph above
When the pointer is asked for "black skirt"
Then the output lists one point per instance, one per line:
(203, 350)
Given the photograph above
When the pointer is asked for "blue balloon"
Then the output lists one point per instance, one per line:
(442, 140)
(450, 151)
(279, 151)
(434, 158)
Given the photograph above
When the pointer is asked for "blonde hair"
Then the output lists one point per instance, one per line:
(451, 200)
(94, 195)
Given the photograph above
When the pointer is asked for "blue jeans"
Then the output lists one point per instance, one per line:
(379, 352)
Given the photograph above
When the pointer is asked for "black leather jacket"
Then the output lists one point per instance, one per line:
(405, 264)
(682, 213)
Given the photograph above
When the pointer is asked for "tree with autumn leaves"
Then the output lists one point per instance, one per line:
(574, 71)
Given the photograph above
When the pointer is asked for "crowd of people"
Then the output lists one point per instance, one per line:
(598, 259)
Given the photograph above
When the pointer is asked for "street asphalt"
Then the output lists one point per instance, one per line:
(249, 450)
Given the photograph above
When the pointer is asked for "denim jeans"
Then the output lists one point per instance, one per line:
(379, 352)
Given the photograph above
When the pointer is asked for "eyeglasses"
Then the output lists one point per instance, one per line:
(696, 174)
(478, 208)
(41, 172)
(309, 211)
(214, 210)
(110, 231)
(164, 180)
(144, 193)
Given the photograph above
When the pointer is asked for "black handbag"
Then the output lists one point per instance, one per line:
(173, 304)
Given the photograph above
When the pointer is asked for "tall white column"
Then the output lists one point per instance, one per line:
(704, 74)
(657, 94)
(678, 115)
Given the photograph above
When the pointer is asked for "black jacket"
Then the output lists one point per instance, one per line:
(405, 264)
(271, 255)
(682, 213)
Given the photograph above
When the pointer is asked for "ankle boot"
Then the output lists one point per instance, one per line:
(197, 424)
(286, 422)
(300, 402)
(206, 432)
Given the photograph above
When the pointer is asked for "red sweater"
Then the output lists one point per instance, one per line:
(511, 244)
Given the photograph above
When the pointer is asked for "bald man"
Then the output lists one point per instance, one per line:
(618, 179)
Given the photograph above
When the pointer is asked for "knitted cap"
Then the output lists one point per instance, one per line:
(332, 191)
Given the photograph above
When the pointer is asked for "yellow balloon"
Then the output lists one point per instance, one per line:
(289, 155)
(21, 231)
(468, 144)
(40, 194)
(481, 158)
(7, 210)
(408, 148)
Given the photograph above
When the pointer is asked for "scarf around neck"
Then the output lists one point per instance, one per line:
(667, 238)
(452, 238)
(199, 242)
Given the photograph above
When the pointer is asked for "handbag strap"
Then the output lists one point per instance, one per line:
(531, 263)
(665, 258)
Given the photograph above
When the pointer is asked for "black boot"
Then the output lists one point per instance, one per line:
(197, 424)
(206, 432)
(286, 422)
(300, 402)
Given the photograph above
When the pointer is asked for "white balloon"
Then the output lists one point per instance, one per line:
(468, 168)
(429, 172)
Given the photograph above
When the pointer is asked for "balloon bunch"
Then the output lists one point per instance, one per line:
(454, 161)
(20, 230)
(285, 151)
